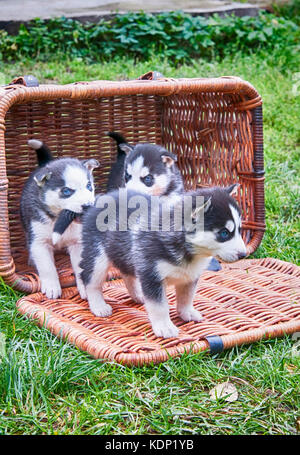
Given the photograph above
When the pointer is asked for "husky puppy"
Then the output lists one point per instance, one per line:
(150, 169)
(149, 259)
(56, 185)
(146, 168)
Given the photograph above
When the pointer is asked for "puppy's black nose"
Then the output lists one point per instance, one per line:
(86, 206)
(242, 255)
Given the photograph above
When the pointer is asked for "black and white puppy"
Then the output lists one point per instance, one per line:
(146, 168)
(149, 169)
(149, 259)
(56, 185)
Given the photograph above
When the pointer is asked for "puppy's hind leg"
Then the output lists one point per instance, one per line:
(75, 256)
(184, 296)
(93, 281)
(134, 288)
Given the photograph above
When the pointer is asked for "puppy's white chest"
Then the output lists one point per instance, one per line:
(43, 233)
(71, 236)
(174, 274)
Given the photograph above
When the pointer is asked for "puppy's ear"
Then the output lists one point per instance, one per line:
(232, 189)
(126, 148)
(41, 179)
(168, 158)
(91, 164)
(202, 209)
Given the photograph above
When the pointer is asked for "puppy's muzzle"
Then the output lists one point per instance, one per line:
(86, 206)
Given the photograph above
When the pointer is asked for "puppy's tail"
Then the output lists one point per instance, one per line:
(42, 152)
(119, 140)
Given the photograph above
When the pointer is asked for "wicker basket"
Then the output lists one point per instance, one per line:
(215, 128)
(213, 125)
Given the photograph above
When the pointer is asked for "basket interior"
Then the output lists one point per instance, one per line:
(211, 138)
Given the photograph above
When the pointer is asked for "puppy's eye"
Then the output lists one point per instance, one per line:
(224, 234)
(66, 192)
(127, 177)
(148, 180)
(89, 186)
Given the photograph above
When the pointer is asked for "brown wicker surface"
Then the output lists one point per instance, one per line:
(245, 302)
(213, 125)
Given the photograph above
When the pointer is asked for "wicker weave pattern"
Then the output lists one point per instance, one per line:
(243, 303)
(213, 125)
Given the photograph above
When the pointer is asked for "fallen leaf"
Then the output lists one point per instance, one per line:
(226, 391)
(290, 368)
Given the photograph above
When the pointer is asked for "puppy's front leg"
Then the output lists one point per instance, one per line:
(43, 258)
(93, 276)
(157, 307)
(159, 316)
(97, 304)
(185, 295)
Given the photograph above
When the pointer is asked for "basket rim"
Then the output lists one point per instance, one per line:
(11, 94)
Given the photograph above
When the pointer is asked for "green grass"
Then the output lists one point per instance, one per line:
(49, 387)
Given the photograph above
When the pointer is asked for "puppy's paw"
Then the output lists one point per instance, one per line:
(97, 304)
(101, 310)
(190, 314)
(51, 287)
(165, 329)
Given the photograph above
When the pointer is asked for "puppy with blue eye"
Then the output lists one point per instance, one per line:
(56, 186)
(149, 259)
(150, 169)
(146, 168)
